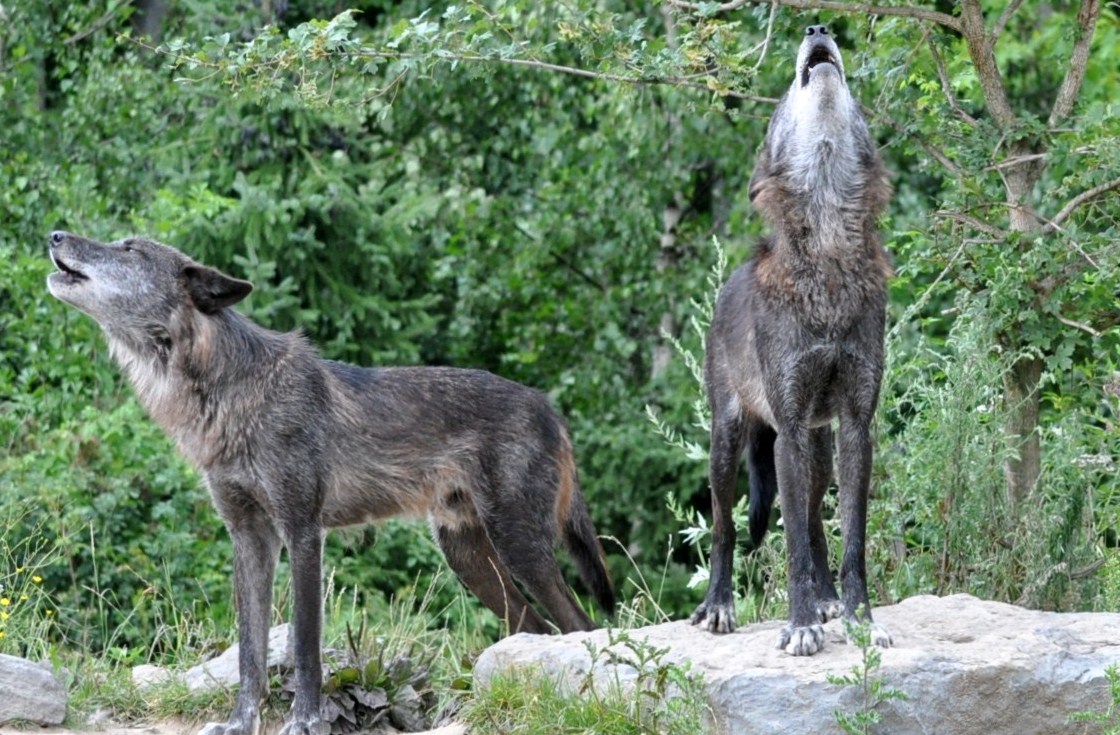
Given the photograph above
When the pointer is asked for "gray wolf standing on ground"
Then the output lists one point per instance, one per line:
(797, 340)
(291, 444)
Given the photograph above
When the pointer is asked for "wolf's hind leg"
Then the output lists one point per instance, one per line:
(526, 542)
(474, 559)
(541, 577)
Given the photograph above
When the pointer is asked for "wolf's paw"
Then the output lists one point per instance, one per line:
(233, 727)
(880, 636)
(716, 618)
(829, 610)
(803, 641)
(309, 726)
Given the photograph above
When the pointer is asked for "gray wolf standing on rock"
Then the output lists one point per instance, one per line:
(291, 444)
(797, 340)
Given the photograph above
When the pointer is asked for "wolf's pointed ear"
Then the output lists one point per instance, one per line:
(211, 290)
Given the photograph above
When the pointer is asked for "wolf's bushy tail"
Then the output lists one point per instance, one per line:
(763, 481)
(582, 543)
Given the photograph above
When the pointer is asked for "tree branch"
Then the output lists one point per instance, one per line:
(766, 39)
(682, 82)
(1004, 17)
(97, 24)
(840, 6)
(947, 86)
(1017, 161)
(984, 59)
(578, 72)
(1077, 325)
(1087, 16)
(1055, 223)
(929, 148)
(973, 222)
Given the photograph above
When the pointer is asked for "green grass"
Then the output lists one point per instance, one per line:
(664, 698)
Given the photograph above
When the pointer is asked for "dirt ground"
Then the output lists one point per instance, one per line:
(156, 728)
(170, 727)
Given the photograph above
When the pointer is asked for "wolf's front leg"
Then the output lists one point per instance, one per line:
(305, 550)
(855, 481)
(803, 635)
(717, 613)
(256, 548)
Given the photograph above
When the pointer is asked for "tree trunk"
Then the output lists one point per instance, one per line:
(1021, 384)
(1021, 398)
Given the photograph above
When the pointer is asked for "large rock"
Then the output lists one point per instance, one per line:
(968, 666)
(30, 692)
(222, 671)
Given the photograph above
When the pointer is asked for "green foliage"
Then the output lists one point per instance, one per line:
(27, 612)
(361, 687)
(941, 519)
(872, 690)
(662, 697)
(107, 492)
(488, 186)
(1109, 719)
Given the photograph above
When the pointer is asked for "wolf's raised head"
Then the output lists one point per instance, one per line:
(818, 60)
(818, 163)
(132, 285)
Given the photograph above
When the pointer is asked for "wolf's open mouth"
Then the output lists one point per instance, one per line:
(71, 274)
(819, 55)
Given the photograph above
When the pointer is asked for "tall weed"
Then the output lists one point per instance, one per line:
(941, 519)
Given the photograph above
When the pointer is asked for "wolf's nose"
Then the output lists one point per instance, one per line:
(57, 237)
(816, 30)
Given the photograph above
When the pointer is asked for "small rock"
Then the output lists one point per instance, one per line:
(101, 716)
(30, 693)
(146, 675)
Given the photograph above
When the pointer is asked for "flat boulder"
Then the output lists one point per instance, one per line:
(966, 665)
(29, 692)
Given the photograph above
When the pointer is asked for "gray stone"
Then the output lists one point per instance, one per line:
(222, 671)
(30, 692)
(968, 666)
(146, 675)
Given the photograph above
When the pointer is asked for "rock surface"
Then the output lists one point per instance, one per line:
(30, 692)
(968, 666)
(220, 671)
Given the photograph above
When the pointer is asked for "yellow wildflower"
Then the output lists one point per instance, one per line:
(37, 579)
(1, 635)
(23, 598)
(4, 615)
(50, 613)
(4, 602)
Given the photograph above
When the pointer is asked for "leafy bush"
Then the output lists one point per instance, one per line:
(941, 521)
